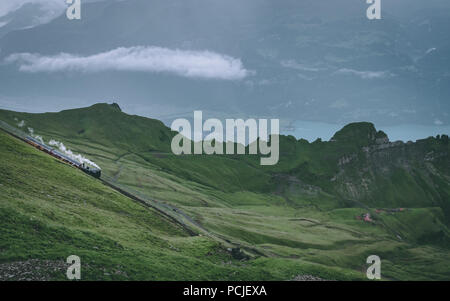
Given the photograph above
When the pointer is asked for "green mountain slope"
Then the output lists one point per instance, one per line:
(299, 215)
(358, 163)
(49, 211)
(100, 123)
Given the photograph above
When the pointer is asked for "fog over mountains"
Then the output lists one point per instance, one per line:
(318, 61)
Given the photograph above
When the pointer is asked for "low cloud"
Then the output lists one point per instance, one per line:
(193, 64)
(339, 104)
(297, 66)
(438, 122)
(365, 74)
(3, 23)
(52, 8)
(430, 50)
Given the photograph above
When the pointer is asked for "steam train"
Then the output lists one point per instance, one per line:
(95, 172)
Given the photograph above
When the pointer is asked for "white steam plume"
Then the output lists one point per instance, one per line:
(37, 137)
(71, 155)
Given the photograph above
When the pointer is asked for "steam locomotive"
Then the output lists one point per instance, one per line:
(95, 172)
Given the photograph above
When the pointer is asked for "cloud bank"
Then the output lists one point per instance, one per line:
(365, 74)
(3, 23)
(294, 65)
(193, 64)
(52, 7)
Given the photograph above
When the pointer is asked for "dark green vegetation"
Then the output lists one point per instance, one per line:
(297, 217)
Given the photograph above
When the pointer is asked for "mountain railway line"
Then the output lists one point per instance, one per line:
(170, 212)
(96, 173)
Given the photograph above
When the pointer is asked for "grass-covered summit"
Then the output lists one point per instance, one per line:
(361, 134)
(103, 123)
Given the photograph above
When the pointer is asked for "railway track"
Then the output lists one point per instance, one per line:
(16, 133)
(172, 213)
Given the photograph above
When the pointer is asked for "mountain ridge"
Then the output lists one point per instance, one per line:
(307, 209)
(358, 163)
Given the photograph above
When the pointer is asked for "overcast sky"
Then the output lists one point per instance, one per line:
(299, 60)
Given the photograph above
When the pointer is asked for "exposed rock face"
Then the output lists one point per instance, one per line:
(383, 172)
(307, 278)
(32, 270)
(116, 106)
(382, 140)
(346, 159)
(359, 166)
(361, 133)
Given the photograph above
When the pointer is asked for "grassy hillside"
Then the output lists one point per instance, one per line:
(294, 218)
(50, 211)
(357, 164)
(101, 123)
